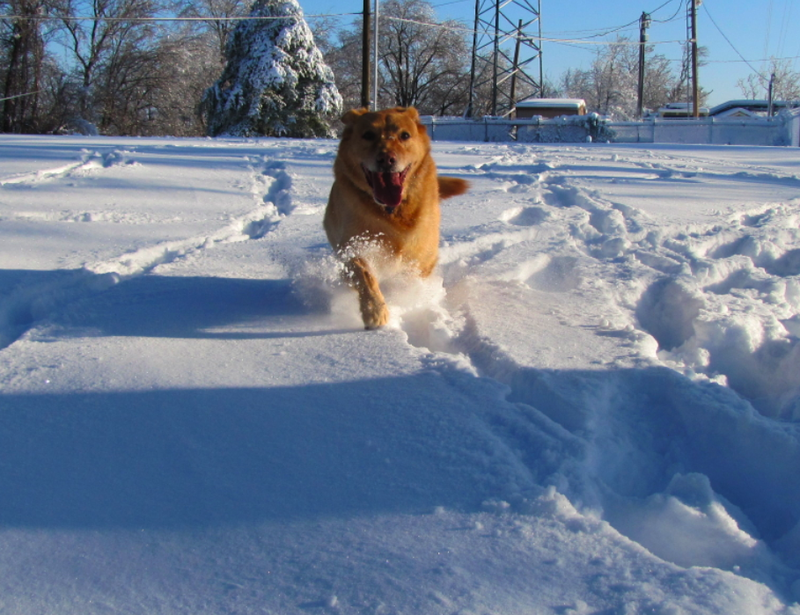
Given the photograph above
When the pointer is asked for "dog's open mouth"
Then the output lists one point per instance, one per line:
(387, 188)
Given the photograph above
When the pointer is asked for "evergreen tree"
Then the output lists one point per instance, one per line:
(275, 82)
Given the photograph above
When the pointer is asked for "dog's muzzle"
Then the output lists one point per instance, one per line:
(387, 187)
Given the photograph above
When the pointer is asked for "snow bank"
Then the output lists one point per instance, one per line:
(591, 407)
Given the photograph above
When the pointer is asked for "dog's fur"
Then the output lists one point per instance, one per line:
(385, 192)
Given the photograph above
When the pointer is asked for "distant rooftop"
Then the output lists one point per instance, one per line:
(680, 109)
(750, 105)
(551, 102)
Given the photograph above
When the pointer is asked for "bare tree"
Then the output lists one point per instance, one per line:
(786, 84)
(422, 62)
(188, 66)
(610, 85)
(345, 62)
(219, 13)
(126, 89)
(682, 89)
(423, 65)
(107, 50)
(59, 97)
(23, 52)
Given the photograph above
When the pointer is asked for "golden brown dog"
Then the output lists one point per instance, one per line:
(385, 192)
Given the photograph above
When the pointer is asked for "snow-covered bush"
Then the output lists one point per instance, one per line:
(276, 82)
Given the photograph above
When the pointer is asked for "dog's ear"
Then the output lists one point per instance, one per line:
(411, 112)
(349, 118)
(413, 115)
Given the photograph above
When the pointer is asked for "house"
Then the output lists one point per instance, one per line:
(748, 108)
(736, 112)
(550, 107)
(678, 110)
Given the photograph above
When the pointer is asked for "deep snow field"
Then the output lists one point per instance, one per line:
(593, 407)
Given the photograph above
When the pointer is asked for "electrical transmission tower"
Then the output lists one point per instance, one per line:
(505, 51)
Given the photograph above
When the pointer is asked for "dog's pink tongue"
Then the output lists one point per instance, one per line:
(388, 188)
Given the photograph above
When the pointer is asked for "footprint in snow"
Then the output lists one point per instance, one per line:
(524, 216)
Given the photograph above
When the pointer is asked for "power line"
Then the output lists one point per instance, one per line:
(787, 14)
(797, 57)
(170, 19)
(20, 96)
(769, 28)
(611, 29)
(760, 76)
(546, 39)
(674, 16)
(449, 25)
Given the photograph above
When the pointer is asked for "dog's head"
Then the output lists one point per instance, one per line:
(383, 150)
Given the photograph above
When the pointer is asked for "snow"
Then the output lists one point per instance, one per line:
(592, 407)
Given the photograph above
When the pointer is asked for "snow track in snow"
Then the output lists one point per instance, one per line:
(689, 278)
(592, 398)
(91, 161)
(616, 437)
(34, 297)
(673, 442)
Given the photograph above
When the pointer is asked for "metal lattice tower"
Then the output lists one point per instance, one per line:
(505, 51)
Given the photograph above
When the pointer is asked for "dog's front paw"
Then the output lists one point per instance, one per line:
(375, 314)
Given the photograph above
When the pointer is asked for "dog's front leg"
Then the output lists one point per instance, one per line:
(373, 306)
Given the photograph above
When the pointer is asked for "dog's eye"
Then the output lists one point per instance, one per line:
(405, 136)
(368, 136)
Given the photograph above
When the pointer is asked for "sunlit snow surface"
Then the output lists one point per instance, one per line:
(593, 406)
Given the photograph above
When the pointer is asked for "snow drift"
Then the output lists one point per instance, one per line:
(592, 408)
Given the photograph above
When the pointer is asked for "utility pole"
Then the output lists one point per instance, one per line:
(375, 59)
(771, 92)
(365, 56)
(693, 4)
(644, 23)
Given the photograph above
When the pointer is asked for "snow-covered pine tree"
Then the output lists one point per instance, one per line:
(276, 82)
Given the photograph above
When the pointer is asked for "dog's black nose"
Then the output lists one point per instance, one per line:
(386, 159)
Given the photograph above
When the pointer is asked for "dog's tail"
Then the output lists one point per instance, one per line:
(452, 186)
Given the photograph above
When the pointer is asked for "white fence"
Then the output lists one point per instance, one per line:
(794, 127)
(779, 130)
(783, 129)
(566, 129)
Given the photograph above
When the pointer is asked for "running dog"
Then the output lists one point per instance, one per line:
(385, 194)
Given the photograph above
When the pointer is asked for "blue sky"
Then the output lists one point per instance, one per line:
(754, 30)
